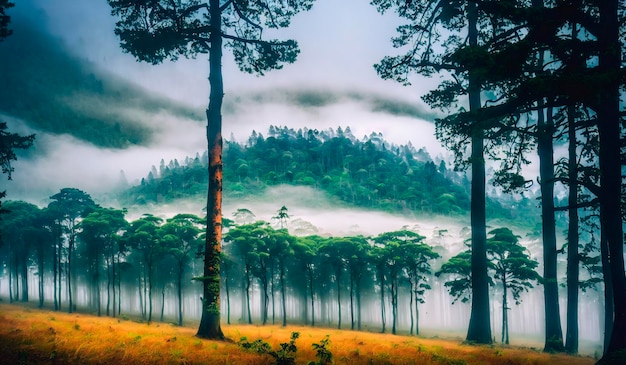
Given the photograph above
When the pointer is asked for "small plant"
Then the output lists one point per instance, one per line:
(284, 355)
(323, 354)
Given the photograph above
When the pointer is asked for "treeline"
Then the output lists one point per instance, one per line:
(75, 243)
(367, 172)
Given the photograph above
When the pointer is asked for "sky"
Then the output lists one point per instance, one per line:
(340, 41)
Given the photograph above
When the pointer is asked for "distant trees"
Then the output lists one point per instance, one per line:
(9, 141)
(155, 31)
(101, 232)
(509, 265)
(70, 205)
(408, 180)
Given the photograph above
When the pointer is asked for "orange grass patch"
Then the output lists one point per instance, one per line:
(30, 336)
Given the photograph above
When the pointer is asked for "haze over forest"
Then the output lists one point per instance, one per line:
(323, 159)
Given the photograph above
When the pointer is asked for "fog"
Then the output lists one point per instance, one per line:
(313, 212)
(331, 85)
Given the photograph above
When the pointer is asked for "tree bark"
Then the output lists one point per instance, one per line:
(554, 333)
(571, 336)
(210, 326)
(610, 165)
(479, 329)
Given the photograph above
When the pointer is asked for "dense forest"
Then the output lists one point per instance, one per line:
(368, 172)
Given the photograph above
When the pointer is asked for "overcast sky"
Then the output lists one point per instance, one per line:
(340, 41)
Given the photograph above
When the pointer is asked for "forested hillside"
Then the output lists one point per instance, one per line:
(365, 172)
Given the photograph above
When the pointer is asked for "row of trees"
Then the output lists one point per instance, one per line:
(534, 73)
(74, 235)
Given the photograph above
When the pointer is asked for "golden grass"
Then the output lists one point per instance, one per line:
(30, 336)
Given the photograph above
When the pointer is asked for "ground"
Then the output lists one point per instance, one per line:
(33, 336)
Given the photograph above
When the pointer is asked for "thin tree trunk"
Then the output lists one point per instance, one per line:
(273, 296)
(351, 303)
(417, 313)
(358, 303)
(162, 302)
(338, 276)
(382, 299)
(248, 284)
(40, 264)
(54, 274)
(69, 274)
(282, 293)
(312, 299)
(505, 315)
(571, 336)
(150, 292)
(554, 333)
(411, 307)
(179, 282)
(141, 297)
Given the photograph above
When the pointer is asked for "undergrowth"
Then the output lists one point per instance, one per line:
(285, 354)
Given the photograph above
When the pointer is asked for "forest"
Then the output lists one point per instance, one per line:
(517, 80)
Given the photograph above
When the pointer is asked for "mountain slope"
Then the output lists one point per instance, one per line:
(369, 173)
(54, 91)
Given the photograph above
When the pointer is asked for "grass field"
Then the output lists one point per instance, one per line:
(31, 336)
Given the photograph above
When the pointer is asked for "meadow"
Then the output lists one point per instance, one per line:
(33, 336)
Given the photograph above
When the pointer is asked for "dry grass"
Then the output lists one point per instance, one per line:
(29, 336)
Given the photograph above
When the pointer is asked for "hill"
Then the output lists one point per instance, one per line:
(367, 172)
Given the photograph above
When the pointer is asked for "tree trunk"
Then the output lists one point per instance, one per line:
(150, 291)
(312, 299)
(382, 299)
(554, 333)
(248, 284)
(282, 293)
(358, 304)
(411, 306)
(24, 275)
(394, 304)
(40, 269)
(351, 303)
(55, 273)
(479, 329)
(571, 336)
(141, 296)
(505, 315)
(417, 314)
(162, 302)
(179, 282)
(338, 276)
(210, 321)
(608, 112)
(608, 290)
(273, 293)
(70, 251)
